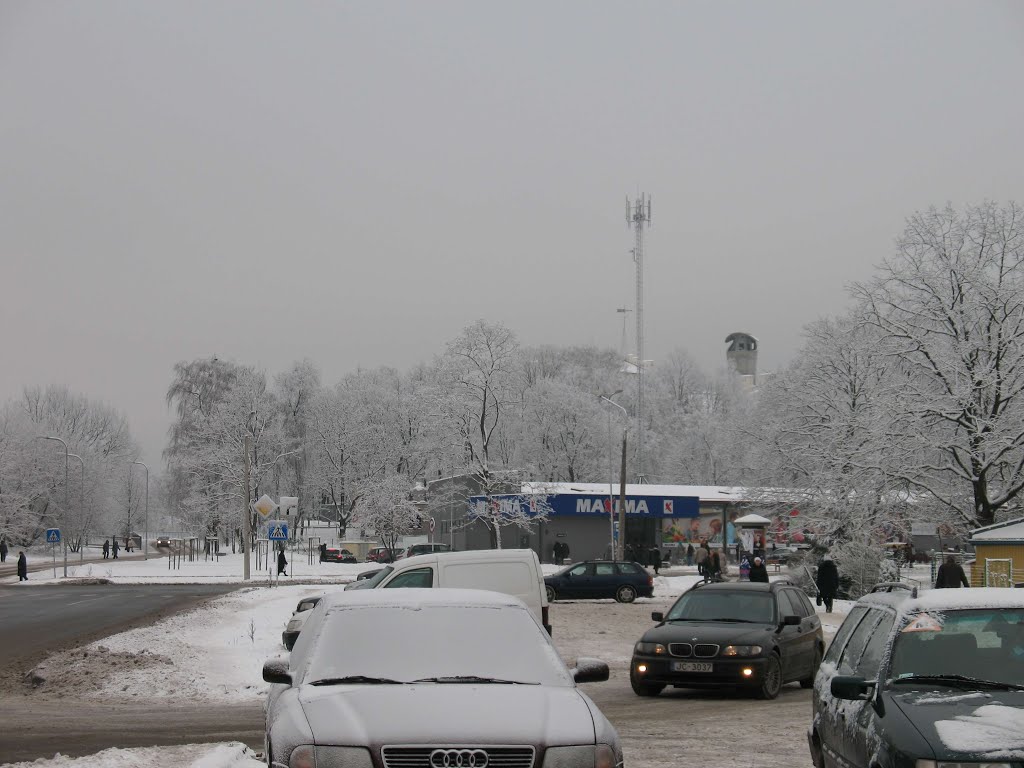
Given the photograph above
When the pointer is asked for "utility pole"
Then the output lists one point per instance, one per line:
(247, 528)
(638, 214)
(64, 512)
(145, 549)
(621, 555)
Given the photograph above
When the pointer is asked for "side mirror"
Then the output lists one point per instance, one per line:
(590, 671)
(658, 616)
(275, 670)
(791, 621)
(852, 687)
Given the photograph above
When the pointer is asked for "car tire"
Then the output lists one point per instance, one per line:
(644, 689)
(771, 679)
(808, 682)
(552, 595)
(625, 594)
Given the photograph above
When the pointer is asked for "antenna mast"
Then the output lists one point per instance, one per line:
(638, 215)
(622, 345)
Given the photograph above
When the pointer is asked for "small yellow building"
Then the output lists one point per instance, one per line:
(999, 549)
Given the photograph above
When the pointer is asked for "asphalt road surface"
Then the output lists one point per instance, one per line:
(44, 618)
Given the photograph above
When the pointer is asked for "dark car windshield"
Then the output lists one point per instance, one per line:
(377, 578)
(723, 605)
(980, 644)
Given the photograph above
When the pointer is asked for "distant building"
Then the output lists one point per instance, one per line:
(741, 355)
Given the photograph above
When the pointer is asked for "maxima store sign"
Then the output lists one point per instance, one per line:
(577, 505)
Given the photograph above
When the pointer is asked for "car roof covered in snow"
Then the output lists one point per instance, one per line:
(904, 602)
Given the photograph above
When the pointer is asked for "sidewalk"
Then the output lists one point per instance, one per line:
(10, 567)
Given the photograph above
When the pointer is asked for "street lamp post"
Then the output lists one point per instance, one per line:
(64, 512)
(145, 549)
(620, 549)
(81, 508)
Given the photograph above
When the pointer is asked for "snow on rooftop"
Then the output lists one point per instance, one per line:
(706, 493)
(1011, 529)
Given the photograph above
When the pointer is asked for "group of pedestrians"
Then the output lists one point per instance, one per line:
(107, 549)
(709, 562)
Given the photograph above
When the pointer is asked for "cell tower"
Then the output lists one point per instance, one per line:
(638, 215)
(622, 345)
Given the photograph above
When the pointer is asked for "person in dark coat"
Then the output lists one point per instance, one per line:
(951, 575)
(3, 551)
(827, 581)
(655, 558)
(282, 563)
(116, 548)
(758, 571)
(689, 554)
(22, 567)
(713, 569)
(106, 550)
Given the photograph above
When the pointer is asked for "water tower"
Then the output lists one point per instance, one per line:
(742, 354)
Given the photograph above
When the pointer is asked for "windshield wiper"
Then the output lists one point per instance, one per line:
(738, 621)
(471, 679)
(357, 680)
(961, 681)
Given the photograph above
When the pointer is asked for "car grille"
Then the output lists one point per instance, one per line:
(419, 757)
(686, 650)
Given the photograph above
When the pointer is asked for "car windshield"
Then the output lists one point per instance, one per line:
(378, 577)
(723, 605)
(972, 645)
(452, 642)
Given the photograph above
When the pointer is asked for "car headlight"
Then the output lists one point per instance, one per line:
(943, 764)
(742, 650)
(295, 624)
(308, 756)
(591, 756)
(650, 649)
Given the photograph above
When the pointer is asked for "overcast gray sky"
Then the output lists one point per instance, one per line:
(356, 182)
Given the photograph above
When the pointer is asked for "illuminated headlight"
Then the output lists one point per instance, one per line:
(943, 764)
(742, 650)
(308, 756)
(600, 756)
(649, 649)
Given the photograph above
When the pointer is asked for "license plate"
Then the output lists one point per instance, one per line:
(692, 666)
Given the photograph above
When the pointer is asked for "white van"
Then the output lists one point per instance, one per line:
(511, 571)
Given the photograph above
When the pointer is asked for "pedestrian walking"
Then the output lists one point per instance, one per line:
(714, 566)
(655, 556)
(702, 560)
(22, 567)
(758, 571)
(3, 551)
(106, 549)
(565, 550)
(282, 563)
(827, 581)
(951, 575)
(116, 548)
(689, 554)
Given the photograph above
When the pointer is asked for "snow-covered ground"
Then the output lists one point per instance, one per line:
(216, 653)
(230, 755)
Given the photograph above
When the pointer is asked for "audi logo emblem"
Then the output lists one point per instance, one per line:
(458, 758)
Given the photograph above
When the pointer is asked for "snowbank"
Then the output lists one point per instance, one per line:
(229, 755)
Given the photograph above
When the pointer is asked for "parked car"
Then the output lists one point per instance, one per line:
(336, 555)
(425, 549)
(383, 555)
(446, 704)
(732, 634)
(295, 623)
(594, 579)
(515, 572)
(912, 680)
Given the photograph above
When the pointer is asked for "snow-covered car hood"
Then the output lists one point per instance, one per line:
(961, 725)
(372, 716)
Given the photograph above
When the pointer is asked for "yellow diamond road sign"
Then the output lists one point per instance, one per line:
(265, 506)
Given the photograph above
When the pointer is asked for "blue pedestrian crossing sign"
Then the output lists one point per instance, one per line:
(277, 530)
(53, 535)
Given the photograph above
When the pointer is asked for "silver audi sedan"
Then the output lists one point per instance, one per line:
(432, 678)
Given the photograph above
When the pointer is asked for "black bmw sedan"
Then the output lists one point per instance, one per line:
(734, 634)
